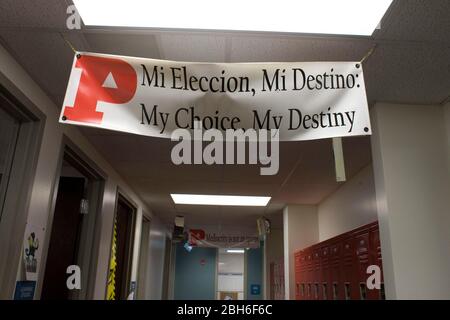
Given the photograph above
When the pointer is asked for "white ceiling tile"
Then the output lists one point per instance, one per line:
(192, 47)
(35, 14)
(134, 45)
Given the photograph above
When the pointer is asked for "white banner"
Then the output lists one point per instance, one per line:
(217, 237)
(304, 100)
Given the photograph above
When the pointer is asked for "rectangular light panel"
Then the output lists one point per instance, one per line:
(219, 200)
(349, 17)
(235, 251)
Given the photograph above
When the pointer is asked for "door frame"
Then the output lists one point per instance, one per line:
(122, 195)
(143, 260)
(244, 274)
(167, 268)
(89, 241)
(19, 190)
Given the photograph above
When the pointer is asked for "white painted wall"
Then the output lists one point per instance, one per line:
(300, 230)
(46, 175)
(447, 129)
(410, 156)
(349, 207)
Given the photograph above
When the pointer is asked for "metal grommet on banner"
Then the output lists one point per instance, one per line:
(64, 118)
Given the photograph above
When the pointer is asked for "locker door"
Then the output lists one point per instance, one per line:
(348, 269)
(309, 274)
(335, 271)
(317, 274)
(362, 262)
(298, 273)
(375, 258)
(326, 272)
(303, 276)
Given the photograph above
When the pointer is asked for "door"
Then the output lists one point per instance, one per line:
(9, 128)
(64, 237)
(120, 273)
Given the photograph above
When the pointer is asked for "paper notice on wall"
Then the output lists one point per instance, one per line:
(32, 251)
(303, 100)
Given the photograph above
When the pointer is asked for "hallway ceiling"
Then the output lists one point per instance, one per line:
(411, 64)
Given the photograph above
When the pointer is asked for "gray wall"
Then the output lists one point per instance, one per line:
(349, 207)
(300, 230)
(410, 156)
(156, 259)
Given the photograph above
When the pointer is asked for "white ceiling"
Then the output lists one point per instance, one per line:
(411, 64)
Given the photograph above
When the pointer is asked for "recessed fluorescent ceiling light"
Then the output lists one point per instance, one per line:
(235, 251)
(219, 200)
(351, 17)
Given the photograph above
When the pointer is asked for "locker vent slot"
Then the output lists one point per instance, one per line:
(324, 291)
(347, 291)
(362, 291)
(382, 293)
(335, 291)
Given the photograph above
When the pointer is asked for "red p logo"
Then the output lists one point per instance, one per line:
(196, 235)
(95, 70)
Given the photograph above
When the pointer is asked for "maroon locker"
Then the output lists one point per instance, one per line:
(335, 270)
(298, 273)
(362, 262)
(309, 279)
(317, 274)
(348, 258)
(326, 271)
(302, 283)
(375, 258)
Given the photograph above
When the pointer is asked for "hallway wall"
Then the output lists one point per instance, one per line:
(300, 230)
(349, 207)
(352, 205)
(156, 259)
(40, 204)
(410, 148)
(447, 130)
